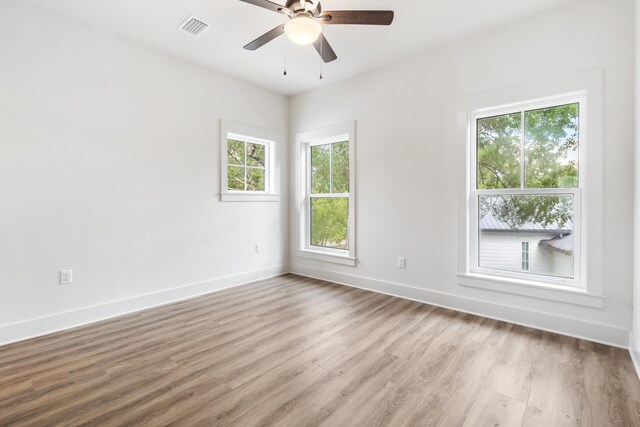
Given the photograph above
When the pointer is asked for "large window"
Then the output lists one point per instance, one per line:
(248, 163)
(327, 220)
(525, 199)
(329, 195)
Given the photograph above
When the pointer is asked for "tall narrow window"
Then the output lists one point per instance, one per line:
(526, 188)
(329, 195)
(327, 230)
(525, 256)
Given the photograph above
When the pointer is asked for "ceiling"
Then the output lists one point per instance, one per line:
(418, 24)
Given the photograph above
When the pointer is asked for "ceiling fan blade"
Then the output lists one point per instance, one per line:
(324, 49)
(265, 38)
(275, 7)
(357, 17)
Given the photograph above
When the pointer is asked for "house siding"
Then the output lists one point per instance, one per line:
(502, 251)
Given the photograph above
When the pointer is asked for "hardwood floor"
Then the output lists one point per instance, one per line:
(293, 351)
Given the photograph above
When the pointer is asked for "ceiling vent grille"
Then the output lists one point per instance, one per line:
(193, 26)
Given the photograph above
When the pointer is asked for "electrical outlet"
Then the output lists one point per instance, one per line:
(402, 262)
(66, 277)
(258, 248)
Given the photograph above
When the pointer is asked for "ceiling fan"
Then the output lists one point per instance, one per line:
(305, 19)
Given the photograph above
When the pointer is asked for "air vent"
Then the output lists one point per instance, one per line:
(193, 26)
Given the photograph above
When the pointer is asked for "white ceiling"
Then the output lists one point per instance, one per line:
(418, 24)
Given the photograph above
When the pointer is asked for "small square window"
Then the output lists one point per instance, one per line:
(248, 164)
(246, 168)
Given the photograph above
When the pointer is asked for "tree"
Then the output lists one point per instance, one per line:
(550, 146)
(330, 176)
(247, 156)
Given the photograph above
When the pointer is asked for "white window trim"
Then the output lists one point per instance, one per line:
(305, 140)
(591, 290)
(251, 134)
(474, 242)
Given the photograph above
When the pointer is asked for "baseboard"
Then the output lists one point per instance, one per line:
(61, 321)
(604, 334)
(634, 350)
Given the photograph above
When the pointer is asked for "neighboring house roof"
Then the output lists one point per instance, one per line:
(490, 223)
(563, 244)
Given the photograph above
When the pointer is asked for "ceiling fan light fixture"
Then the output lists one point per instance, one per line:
(303, 30)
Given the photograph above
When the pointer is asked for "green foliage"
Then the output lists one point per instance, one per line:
(235, 177)
(235, 152)
(516, 210)
(247, 156)
(340, 167)
(255, 155)
(499, 142)
(255, 179)
(320, 169)
(550, 143)
(330, 175)
(329, 222)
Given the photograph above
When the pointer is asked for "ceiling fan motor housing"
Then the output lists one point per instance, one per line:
(297, 7)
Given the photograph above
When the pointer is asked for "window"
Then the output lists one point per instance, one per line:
(327, 220)
(329, 195)
(525, 199)
(248, 163)
(525, 256)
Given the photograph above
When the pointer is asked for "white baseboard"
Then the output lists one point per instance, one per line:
(604, 334)
(634, 350)
(60, 321)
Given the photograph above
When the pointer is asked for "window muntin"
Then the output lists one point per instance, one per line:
(328, 198)
(247, 165)
(526, 189)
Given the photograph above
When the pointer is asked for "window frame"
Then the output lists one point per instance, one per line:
(514, 291)
(306, 140)
(525, 250)
(473, 248)
(252, 135)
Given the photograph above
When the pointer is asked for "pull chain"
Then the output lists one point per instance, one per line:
(284, 54)
(321, 58)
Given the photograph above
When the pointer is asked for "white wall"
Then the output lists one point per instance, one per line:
(109, 165)
(635, 337)
(409, 161)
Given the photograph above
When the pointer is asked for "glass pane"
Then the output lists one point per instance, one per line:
(499, 142)
(235, 178)
(255, 179)
(551, 144)
(525, 256)
(255, 155)
(235, 152)
(527, 233)
(340, 167)
(329, 222)
(320, 174)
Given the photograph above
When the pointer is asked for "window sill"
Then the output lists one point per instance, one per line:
(249, 197)
(327, 257)
(551, 292)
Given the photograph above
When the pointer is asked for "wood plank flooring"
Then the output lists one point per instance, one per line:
(292, 351)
